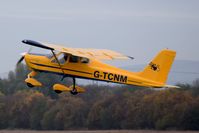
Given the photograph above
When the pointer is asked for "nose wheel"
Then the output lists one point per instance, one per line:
(30, 85)
(32, 82)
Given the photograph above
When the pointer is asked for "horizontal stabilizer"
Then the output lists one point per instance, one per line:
(172, 87)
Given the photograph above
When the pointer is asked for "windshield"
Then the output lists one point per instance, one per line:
(50, 55)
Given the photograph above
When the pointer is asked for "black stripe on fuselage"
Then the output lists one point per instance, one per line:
(76, 75)
(80, 77)
(62, 68)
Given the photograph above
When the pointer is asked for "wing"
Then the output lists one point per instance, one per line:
(100, 54)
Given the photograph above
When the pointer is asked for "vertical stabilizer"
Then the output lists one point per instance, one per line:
(158, 69)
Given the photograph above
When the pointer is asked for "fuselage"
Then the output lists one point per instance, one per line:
(89, 69)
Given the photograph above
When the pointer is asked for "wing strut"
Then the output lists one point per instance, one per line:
(57, 61)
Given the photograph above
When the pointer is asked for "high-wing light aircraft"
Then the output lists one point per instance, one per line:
(87, 64)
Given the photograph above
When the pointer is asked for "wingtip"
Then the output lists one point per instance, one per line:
(37, 44)
(24, 41)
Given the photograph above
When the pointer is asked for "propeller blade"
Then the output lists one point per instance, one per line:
(23, 56)
(20, 60)
(36, 44)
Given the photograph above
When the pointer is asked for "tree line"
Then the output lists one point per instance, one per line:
(101, 107)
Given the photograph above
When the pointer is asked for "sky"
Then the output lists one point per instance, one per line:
(139, 28)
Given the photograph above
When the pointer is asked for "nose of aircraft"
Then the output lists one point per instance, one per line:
(23, 56)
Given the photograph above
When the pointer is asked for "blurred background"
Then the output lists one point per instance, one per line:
(138, 28)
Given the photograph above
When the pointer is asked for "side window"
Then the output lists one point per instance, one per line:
(74, 59)
(84, 60)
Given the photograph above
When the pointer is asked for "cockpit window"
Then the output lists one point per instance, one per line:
(61, 58)
(74, 59)
(84, 60)
(50, 55)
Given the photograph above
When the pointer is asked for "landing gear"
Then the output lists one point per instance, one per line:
(30, 85)
(30, 75)
(58, 91)
(74, 90)
(31, 82)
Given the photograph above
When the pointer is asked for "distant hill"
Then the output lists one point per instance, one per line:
(183, 71)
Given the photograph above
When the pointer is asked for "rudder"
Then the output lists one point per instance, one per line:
(158, 69)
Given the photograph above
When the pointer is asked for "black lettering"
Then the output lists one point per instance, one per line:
(116, 77)
(105, 73)
(123, 79)
(110, 76)
(96, 74)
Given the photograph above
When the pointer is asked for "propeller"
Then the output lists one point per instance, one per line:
(23, 56)
(20, 60)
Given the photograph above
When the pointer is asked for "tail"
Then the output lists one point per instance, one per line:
(158, 69)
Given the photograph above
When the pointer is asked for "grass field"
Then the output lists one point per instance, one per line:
(100, 131)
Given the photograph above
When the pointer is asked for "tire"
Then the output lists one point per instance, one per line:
(30, 85)
(74, 92)
(58, 91)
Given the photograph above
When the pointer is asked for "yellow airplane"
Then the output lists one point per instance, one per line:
(86, 64)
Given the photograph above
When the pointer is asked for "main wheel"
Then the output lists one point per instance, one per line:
(30, 85)
(58, 91)
(74, 92)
